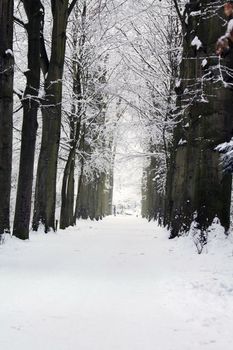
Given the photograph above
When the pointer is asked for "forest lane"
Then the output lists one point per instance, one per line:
(119, 284)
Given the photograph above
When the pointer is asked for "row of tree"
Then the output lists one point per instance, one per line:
(64, 105)
(197, 189)
(89, 63)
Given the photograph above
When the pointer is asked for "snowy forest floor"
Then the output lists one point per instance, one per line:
(119, 284)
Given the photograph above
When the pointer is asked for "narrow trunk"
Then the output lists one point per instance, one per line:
(67, 197)
(67, 194)
(100, 208)
(82, 209)
(109, 193)
(153, 192)
(6, 110)
(35, 13)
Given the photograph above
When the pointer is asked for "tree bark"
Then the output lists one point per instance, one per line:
(45, 196)
(197, 188)
(67, 198)
(35, 14)
(6, 110)
(67, 205)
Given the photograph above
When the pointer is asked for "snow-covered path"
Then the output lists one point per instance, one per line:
(114, 285)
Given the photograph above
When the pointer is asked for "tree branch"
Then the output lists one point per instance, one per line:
(43, 52)
(178, 12)
(73, 3)
(43, 56)
(19, 94)
(19, 21)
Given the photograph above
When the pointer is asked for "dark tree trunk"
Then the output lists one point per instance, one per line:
(82, 209)
(153, 192)
(109, 193)
(154, 206)
(35, 14)
(91, 200)
(100, 205)
(81, 190)
(6, 110)
(91, 196)
(45, 197)
(110, 181)
(67, 194)
(197, 188)
(67, 205)
(67, 216)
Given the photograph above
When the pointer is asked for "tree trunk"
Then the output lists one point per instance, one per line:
(35, 14)
(45, 197)
(6, 110)
(82, 210)
(197, 188)
(109, 193)
(100, 208)
(67, 195)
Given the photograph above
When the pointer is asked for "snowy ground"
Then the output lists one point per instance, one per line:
(115, 285)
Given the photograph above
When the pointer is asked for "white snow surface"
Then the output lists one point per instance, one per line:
(196, 42)
(230, 26)
(119, 284)
(9, 52)
(204, 62)
(182, 142)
